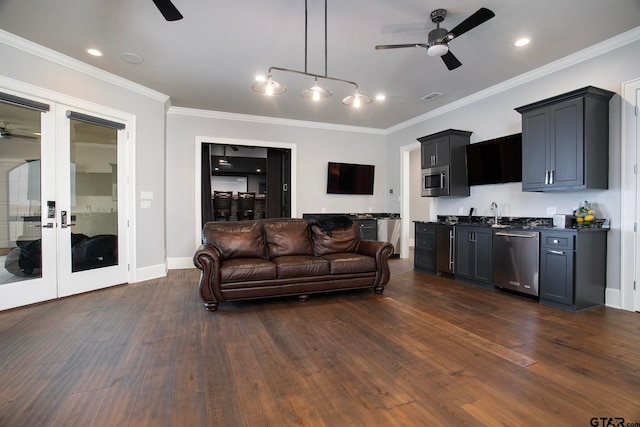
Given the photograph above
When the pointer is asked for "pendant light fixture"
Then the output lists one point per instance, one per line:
(269, 87)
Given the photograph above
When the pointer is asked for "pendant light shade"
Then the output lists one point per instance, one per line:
(315, 93)
(269, 87)
(357, 99)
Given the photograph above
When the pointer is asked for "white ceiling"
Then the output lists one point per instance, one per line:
(209, 59)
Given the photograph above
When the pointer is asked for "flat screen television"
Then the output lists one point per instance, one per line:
(496, 161)
(349, 178)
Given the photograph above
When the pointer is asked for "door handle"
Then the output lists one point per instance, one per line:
(63, 220)
(551, 251)
(47, 225)
(546, 177)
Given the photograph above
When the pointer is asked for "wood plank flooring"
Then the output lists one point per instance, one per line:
(429, 351)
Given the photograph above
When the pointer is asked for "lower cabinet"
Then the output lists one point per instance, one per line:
(573, 269)
(424, 254)
(474, 254)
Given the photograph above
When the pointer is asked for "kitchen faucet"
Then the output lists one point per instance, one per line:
(494, 209)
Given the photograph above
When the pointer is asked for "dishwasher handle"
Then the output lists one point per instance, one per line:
(526, 236)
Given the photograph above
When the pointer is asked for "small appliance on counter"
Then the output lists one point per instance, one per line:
(562, 221)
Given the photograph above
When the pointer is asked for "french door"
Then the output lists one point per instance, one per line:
(62, 213)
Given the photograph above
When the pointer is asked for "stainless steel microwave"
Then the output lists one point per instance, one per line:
(435, 181)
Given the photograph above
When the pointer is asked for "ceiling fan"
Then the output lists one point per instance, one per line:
(168, 10)
(8, 134)
(439, 38)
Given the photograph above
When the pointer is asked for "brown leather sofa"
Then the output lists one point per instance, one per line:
(286, 256)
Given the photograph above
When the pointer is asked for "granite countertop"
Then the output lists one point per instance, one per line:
(514, 223)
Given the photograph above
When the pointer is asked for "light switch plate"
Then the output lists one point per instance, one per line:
(146, 195)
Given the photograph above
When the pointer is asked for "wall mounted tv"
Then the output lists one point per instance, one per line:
(349, 178)
(496, 161)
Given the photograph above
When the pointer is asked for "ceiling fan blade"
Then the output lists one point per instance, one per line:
(397, 46)
(168, 10)
(450, 61)
(481, 16)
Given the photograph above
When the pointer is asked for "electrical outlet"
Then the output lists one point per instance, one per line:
(391, 191)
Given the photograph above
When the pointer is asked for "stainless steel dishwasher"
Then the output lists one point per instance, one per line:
(389, 231)
(516, 260)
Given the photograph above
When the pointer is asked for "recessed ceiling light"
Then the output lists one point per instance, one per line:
(94, 52)
(522, 42)
(131, 58)
(380, 97)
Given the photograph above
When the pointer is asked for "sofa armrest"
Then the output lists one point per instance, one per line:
(207, 259)
(381, 251)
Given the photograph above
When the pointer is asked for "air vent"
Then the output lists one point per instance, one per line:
(431, 96)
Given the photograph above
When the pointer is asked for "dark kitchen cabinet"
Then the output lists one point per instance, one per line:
(474, 254)
(447, 149)
(573, 268)
(424, 254)
(565, 141)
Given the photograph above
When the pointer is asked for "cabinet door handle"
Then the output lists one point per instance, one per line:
(551, 251)
(552, 176)
(546, 177)
(451, 249)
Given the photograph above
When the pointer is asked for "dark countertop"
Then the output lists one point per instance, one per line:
(355, 215)
(512, 223)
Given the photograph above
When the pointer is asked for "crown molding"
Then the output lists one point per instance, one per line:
(598, 49)
(209, 114)
(66, 61)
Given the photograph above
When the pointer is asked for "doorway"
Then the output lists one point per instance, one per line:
(62, 214)
(263, 172)
(201, 179)
(629, 298)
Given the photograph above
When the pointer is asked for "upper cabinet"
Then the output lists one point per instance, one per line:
(565, 141)
(446, 151)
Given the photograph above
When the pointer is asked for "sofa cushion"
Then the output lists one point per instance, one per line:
(339, 240)
(300, 266)
(247, 269)
(237, 239)
(342, 263)
(288, 237)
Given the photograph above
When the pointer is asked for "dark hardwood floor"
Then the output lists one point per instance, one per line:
(429, 351)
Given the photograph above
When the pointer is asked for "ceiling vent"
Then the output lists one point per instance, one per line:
(431, 96)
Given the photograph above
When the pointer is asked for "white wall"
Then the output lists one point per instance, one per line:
(316, 145)
(494, 116)
(49, 74)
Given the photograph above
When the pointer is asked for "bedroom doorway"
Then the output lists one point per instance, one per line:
(62, 219)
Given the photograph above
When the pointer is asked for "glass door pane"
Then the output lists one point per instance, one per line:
(20, 197)
(94, 194)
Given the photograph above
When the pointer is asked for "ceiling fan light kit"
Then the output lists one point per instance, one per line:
(437, 50)
(315, 93)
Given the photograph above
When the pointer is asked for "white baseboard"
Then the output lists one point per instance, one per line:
(613, 298)
(180, 263)
(152, 272)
